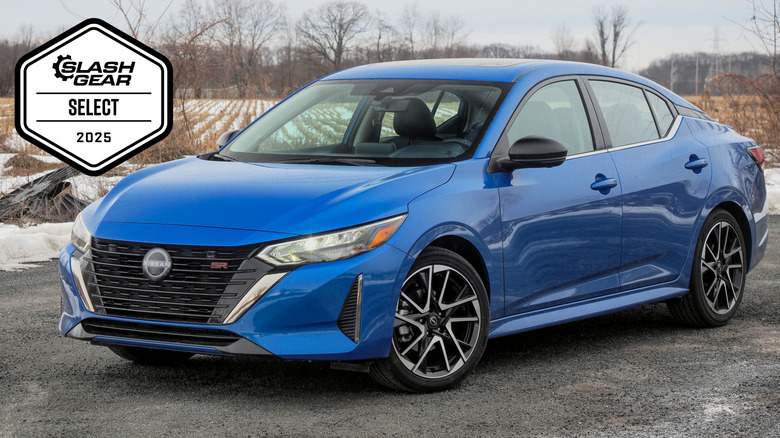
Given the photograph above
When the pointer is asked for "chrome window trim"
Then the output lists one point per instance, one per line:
(672, 132)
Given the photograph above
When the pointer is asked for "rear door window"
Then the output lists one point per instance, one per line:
(626, 113)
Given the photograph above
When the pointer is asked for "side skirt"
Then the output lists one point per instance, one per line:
(581, 310)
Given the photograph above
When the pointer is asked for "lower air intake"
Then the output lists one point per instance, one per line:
(349, 319)
(159, 333)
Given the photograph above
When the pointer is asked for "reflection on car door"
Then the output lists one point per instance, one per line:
(561, 236)
(665, 181)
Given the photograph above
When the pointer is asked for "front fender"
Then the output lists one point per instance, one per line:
(468, 198)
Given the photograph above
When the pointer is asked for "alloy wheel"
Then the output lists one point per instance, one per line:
(722, 265)
(437, 322)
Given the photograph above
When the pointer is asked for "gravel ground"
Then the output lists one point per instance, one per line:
(633, 373)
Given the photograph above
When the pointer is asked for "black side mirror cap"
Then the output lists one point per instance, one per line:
(226, 137)
(534, 151)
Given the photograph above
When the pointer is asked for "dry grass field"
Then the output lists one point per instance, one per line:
(197, 125)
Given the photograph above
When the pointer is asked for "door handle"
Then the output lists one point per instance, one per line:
(604, 184)
(696, 163)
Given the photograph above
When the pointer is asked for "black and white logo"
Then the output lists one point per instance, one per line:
(157, 264)
(93, 97)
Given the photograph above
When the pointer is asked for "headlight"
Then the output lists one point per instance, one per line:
(80, 236)
(332, 246)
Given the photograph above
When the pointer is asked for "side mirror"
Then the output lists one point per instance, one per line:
(226, 137)
(535, 151)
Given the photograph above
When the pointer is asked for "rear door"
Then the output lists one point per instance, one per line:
(561, 236)
(665, 179)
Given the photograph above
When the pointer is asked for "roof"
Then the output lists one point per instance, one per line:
(490, 70)
(479, 69)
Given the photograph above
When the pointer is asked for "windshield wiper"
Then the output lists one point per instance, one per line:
(220, 157)
(332, 160)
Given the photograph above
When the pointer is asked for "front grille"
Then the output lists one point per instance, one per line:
(159, 333)
(195, 291)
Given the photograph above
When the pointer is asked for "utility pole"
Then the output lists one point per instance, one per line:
(716, 48)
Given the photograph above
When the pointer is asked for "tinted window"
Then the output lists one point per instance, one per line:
(626, 113)
(387, 122)
(324, 122)
(663, 116)
(555, 111)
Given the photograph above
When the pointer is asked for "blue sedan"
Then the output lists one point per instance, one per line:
(392, 218)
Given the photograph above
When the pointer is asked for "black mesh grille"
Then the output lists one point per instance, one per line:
(204, 284)
(349, 319)
(158, 333)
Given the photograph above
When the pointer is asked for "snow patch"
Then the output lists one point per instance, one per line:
(19, 246)
(772, 177)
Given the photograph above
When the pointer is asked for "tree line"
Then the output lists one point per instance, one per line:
(250, 48)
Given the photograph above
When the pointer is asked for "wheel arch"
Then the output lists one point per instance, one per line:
(744, 226)
(469, 244)
(468, 251)
(735, 204)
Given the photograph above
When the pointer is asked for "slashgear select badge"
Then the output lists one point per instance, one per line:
(93, 97)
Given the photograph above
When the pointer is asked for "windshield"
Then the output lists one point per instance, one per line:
(372, 122)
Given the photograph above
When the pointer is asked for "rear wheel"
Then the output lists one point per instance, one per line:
(718, 274)
(150, 356)
(441, 324)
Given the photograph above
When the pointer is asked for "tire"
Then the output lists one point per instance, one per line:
(429, 317)
(150, 356)
(718, 274)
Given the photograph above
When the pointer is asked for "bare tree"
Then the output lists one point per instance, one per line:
(764, 25)
(501, 50)
(452, 34)
(411, 25)
(136, 15)
(10, 51)
(563, 40)
(330, 31)
(388, 44)
(614, 33)
(432, 34)
(245, 29)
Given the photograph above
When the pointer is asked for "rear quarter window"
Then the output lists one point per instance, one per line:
(662, 113)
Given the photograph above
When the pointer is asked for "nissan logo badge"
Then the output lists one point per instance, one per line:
(157, 264)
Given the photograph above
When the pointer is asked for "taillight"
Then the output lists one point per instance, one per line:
(757, 154)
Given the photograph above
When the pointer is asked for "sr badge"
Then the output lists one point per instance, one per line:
(93, 97)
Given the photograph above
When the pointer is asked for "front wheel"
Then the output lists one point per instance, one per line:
(718, 274)
(441, 325)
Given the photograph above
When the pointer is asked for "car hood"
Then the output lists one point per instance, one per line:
(283, 198)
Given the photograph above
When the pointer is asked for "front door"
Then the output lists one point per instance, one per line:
(561, 225)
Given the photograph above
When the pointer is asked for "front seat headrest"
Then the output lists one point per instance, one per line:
(416, 122)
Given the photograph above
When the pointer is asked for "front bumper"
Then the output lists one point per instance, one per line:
(295, 319)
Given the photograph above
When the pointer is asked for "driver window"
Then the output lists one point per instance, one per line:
(555, 111)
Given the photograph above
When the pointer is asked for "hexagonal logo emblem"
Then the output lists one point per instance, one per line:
(93, 97)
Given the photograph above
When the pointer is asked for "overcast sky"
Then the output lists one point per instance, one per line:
(666, 26)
